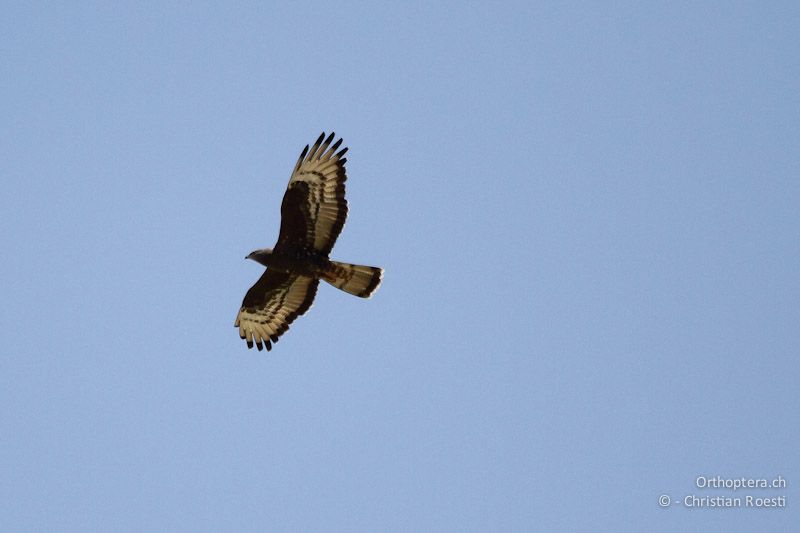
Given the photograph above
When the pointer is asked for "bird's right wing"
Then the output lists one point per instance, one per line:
(272, 304)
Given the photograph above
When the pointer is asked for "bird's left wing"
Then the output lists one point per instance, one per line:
(314, 207)
(272, 304)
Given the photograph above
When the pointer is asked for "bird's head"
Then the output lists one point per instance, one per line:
(260, 256)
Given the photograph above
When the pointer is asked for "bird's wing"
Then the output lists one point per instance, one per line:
(314, 208)
(272, 304)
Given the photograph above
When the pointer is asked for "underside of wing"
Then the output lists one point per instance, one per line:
(314, 207)
(272, 304)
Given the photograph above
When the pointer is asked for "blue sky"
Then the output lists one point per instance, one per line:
(587, 214)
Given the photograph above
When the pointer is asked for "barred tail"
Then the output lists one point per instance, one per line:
(358, 280)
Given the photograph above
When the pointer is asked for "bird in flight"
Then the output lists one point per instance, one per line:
(312, 216)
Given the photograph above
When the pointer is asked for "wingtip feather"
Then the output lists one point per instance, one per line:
(315, 148)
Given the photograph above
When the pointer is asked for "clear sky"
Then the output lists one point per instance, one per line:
(588, 217)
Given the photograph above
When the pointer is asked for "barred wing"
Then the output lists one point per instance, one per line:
(314, 208)
(272, 304)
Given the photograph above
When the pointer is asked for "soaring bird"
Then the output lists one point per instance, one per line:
(312, 216)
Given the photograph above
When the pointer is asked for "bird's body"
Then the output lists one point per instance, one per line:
(304, 262)
(313, 212)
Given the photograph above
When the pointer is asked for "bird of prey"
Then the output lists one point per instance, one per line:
(312, 216)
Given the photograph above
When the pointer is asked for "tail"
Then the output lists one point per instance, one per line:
(358, 280)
